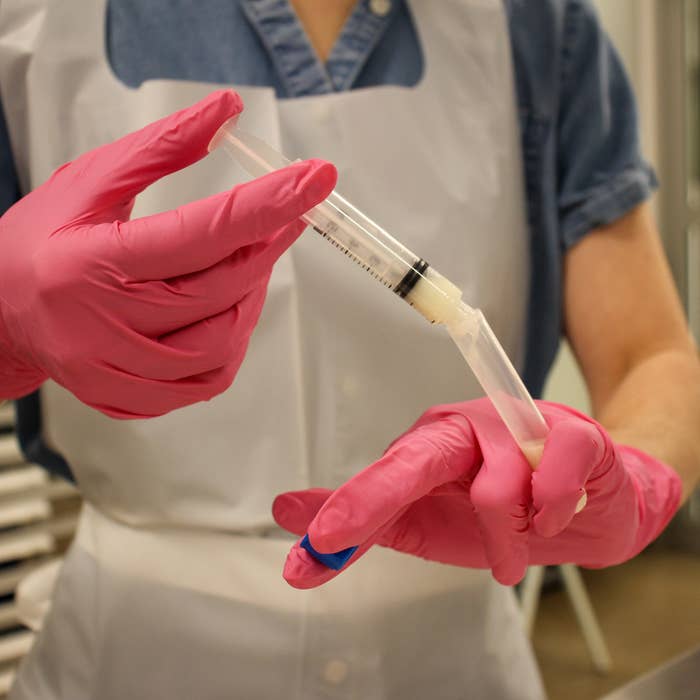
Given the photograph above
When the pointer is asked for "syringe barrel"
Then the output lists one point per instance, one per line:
(383, 257)
(365, 242)
(360, 238)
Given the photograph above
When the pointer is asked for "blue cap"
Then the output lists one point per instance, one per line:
(334, 560)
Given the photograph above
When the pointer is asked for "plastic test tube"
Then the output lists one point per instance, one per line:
(414, 280)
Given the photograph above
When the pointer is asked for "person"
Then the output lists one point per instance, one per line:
(497, 139)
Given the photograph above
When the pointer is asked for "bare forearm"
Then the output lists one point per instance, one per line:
(656, 408)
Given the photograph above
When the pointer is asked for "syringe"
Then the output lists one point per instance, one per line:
(349, 230)
(426, 290)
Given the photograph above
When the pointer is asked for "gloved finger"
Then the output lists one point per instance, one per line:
(421, 461)
(157, 307)
(121, 395)
(199, 234)
(294, 510)
(235, 276)
(440, 527)
(198, 348)
(500, 495)
(574, 448)
(118, 171)
(301, 570)
(215, 341)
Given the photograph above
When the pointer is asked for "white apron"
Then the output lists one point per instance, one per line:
(173, 586)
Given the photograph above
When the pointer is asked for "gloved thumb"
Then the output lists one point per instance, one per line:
(295, 510)
(574, 448)
(116, 172)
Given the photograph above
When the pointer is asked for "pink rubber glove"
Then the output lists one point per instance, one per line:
(137, 318)
(456, 489)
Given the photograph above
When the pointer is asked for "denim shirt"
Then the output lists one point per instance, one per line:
(579, 131)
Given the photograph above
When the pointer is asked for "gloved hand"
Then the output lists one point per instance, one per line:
(456, 489)
(137, 318)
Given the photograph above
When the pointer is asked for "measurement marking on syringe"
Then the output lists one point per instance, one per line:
(353, 257)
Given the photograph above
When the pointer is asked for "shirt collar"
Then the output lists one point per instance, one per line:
(299, 68)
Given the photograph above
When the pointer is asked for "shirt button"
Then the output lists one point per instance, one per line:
(335, 672)
(380, 8)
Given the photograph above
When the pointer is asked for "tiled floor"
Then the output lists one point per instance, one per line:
(649, 609)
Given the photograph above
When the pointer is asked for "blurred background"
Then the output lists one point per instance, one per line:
(599, 631)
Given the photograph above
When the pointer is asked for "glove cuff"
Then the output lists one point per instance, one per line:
(17, 377)
(659, 490)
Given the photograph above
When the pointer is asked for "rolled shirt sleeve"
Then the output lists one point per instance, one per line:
(601, 172)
